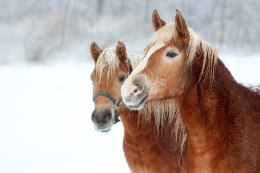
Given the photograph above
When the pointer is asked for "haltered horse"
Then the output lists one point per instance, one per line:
(146, 151)
(220, 116)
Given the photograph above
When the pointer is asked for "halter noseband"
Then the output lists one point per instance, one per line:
(111, 98)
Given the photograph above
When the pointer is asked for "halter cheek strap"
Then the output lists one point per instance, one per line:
(111, 98)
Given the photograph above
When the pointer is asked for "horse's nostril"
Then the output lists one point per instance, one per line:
(139, 85)
(93, 117)
(108, 116)
(102, 116)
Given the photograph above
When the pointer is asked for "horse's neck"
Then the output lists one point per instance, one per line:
(202, 107)
(137, 126)
(142, 134)
(134, 127)
(218, 121)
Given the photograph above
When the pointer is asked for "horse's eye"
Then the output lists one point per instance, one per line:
(171, 54)
(122, 78)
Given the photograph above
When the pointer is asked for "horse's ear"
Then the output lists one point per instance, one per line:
(180, 25)
(95, 51)
(157, 21)
(121, 51)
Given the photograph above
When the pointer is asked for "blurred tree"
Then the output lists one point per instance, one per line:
(68, 13)
(147, 11)
(122, 7)
(41, 28)
(100, 6)
(222, 22)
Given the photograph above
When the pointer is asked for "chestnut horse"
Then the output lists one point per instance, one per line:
(220, 116)
(145, 150)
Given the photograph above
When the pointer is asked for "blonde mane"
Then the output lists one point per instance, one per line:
(166, 114)
(108, 61)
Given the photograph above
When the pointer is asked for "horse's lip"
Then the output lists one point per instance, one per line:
(103, 130)
(137, 105)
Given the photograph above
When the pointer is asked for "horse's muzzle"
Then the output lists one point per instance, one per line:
(136, 95)
(103, 118)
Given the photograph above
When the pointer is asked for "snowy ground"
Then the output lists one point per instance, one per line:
(45, 121)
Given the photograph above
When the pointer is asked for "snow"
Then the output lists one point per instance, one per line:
(45, 123)
(245, 69)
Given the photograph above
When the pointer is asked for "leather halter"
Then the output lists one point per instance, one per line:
(117, 104)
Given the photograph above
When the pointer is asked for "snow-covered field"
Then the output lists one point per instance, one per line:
(45, 121)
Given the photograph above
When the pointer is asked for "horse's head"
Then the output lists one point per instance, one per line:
(161, 69)
(111, 69)
(163, 73)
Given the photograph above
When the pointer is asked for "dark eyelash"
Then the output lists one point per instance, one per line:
(171, 54)
(122, 78)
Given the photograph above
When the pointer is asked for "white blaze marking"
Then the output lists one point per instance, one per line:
(125, 91)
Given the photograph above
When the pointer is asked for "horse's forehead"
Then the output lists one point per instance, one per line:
(143, 63)
(156, 46)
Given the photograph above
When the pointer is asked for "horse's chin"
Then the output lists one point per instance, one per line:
(136, 108)
(139, 105)
(103, 128)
